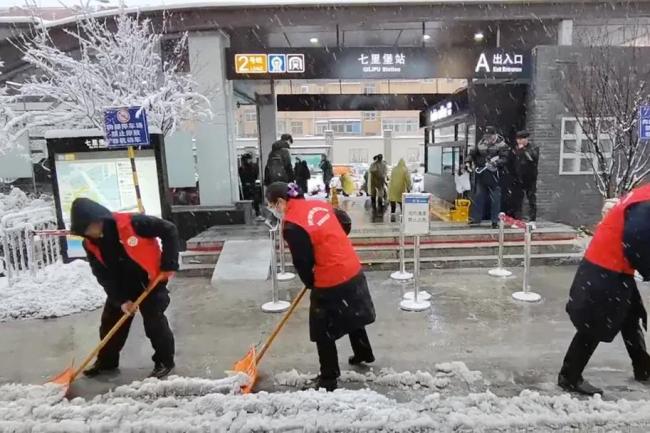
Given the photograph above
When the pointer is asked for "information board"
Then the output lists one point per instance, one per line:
(417, 213)
(107, 179)
(126, 126)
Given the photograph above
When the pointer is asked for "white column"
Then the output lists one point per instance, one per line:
(266, 124)
(565, 32)
(216, 153)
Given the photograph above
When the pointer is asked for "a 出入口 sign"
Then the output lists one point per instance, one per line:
(377, 63)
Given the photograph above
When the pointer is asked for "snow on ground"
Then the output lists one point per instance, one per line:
(203, 405)
(57, 290)
(17, 200)
(445, 372)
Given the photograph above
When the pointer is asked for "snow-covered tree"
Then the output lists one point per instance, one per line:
(118, 63)
(604, 87)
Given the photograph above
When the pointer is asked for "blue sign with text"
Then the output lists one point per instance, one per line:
(644, 122)
(126, 126)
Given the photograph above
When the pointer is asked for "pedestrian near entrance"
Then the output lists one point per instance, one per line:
(249, 171)
(488, 158)
(525, 159)
(400, 182)
(604, 299)
(125, 256)
(278, 165)
(378, 174)
(327, 264)
(302, 175)
(328, 172)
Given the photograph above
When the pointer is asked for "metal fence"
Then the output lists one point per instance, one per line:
(24, 251)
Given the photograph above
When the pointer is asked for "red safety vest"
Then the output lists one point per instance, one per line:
(336, 260)
(144, 251)
(606, 248)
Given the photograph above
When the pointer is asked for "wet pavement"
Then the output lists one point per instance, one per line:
(473, 319)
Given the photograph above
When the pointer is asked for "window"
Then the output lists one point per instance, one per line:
(339, 127)
(296, 128)
(401, 126)
(575, 156)
(369, 88)
(280, 126)
(413, 155)
(444, 135)
(435, 160)
(369, 115)
(250, 116)
(358, 156)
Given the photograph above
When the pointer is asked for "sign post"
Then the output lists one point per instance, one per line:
(401, 275)
(644, 122)
(417, 218)
(127, 127)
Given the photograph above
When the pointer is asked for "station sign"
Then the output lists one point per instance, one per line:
(417, 213)
(377, 63)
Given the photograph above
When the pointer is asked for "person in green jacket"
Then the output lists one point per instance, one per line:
(400, 182)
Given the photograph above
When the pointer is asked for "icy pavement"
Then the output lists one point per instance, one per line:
(201, 405)
(55, 291)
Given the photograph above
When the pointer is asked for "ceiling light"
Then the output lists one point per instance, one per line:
(314, 40)
(479, 36)
(426, 37)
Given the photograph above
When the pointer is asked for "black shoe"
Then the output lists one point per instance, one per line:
(98, 369)
(642, 374)
(580, 387)
(354, 360)
(495, 225)
(328, 385)
(161, 370)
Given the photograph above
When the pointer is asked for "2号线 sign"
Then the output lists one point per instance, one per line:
(377, 63)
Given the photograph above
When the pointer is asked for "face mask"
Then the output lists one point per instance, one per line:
(276, 213)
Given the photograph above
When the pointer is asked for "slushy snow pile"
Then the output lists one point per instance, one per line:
(57, 290)
(17, 201)
(202, 405)
(445, 372)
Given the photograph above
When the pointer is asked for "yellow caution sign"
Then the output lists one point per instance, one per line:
(251, 64)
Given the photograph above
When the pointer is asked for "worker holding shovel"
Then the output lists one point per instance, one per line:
(125, 257)
(327, 264)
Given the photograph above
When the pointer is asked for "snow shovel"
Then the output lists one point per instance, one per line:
(248, 364)
(66, 377)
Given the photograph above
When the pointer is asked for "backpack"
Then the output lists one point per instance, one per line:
(276, 171)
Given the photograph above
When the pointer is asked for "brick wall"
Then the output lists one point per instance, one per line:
(571, 199)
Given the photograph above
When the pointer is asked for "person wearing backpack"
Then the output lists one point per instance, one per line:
(278, 165)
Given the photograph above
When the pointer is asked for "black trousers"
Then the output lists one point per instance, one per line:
(486, 192)
(519, 190)
(583, 346)
(156, 328)
(393, 206)
(328, 355)
(250, 192)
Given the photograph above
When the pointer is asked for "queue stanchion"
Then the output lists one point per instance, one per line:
(401, 275)
(417, 223)
(526, 295)
(417, 303)
(283, 275)
(500, 271)
(275, 306)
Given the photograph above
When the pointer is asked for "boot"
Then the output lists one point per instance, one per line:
(319, 382)
(642, 370)
(580, 387)
(356, 360)
(161, 370)
(98, 369)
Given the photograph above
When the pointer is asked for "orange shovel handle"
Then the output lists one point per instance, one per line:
(280, 325)
(152, 285)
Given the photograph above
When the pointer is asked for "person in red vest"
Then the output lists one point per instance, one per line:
(327, 264)
(604, 299)
(125, 255)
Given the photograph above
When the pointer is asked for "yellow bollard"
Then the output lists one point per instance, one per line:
(334, 200)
